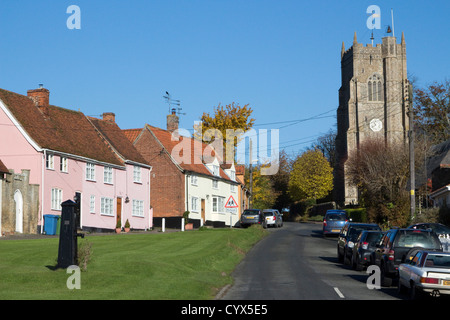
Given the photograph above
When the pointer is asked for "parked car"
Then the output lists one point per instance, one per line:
(441, 230)
(398, 244)
(438, 228)
(427, 272)
(348, 236)
(364, 249)
(273, 218)
(252, 216)
(334, 221)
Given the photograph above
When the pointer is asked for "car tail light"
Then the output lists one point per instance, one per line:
(429, 280)
(391, 255)
(365, 245)
(324, 223)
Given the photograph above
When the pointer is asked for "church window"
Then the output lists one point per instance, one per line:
(375, 89)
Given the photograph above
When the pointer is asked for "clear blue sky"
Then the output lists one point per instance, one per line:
(280, 56)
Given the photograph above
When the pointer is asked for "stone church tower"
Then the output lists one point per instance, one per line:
(371, 103)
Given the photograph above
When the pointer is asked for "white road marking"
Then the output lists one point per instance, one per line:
(339, 293)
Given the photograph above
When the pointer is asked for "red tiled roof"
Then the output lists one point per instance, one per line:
(3, 168)
(117, 139)
(132, 134)
(197, 148)
(62, 130)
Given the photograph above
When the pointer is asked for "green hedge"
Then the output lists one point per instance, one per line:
(357, 215)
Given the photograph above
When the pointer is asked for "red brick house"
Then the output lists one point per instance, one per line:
(184, 180)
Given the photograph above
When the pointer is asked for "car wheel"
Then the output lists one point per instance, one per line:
(340, 257)
(385, 280)
(358, 265)
(414, 293)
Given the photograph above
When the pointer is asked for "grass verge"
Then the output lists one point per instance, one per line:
(166, 266)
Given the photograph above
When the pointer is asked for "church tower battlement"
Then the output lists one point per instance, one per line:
(371, 102)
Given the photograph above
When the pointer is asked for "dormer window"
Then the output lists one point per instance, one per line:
(374, 88)
(215, 170)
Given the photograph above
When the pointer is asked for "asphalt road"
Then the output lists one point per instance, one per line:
(296, 262)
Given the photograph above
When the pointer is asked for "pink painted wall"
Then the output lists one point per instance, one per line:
(17, 153)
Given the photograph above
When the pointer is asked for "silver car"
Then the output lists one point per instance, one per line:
(425, 272)
(273, 218)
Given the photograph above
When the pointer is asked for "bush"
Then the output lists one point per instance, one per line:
(357, 215)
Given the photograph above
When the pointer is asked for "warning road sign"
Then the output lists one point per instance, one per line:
(231, 203)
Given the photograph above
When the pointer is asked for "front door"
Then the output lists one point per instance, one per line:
(119, 211)
(203, 211)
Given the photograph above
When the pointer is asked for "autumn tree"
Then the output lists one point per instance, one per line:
(263, 195)
(432, 111)
(280, 181)
(213, 128)
(311, 176)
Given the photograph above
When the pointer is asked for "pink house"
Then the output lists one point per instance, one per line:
(68, 154)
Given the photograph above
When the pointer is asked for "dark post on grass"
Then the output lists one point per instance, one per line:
(68, 236)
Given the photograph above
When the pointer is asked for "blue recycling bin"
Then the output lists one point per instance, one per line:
(50, 223)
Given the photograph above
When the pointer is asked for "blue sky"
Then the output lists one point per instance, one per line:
(280, 57)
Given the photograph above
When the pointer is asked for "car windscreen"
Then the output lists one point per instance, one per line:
(373, 237)
(417, 238)
(441, 229)
(335, 217)
(437, 261)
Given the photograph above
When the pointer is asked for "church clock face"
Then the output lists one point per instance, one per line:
(376, 125)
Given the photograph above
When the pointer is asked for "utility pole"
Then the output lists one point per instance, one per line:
(411, 151)
(251, 177)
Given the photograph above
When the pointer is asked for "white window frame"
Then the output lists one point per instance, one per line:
(216, 170)
(220, 204)
(56, 199)
(138, 208)
(233, 175)
(64, 164)
(137, 174)
(92, 204)
(49, 161)
(215, 183)
(90, 171)
(233, 188)
(194, 180)
(107, 206)
(194, 204)
(108, 175)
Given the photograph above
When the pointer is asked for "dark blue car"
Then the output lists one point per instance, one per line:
(334, 221)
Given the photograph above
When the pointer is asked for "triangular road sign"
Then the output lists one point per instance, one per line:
(231, 203)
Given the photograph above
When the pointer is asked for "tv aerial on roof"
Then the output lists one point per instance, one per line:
(172, 103)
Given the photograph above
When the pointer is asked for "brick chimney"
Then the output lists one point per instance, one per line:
(172, 121)
(41, 98)
(109, 116)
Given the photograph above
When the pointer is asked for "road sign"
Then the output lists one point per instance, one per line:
(231, 203)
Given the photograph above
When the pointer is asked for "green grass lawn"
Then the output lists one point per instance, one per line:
(171, 266)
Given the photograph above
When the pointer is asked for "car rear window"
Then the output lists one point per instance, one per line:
(437, 261)
(335, 217)
(354, 231)
(417, 238)
(251, 212)
(269, 214)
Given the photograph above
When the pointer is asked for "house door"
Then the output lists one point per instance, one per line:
(203, 211)
(119, 211)
(18, 199)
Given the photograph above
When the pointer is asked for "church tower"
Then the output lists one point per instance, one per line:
(371, 103)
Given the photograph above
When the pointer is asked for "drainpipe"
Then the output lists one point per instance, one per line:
(42, 191)
(1, 205)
